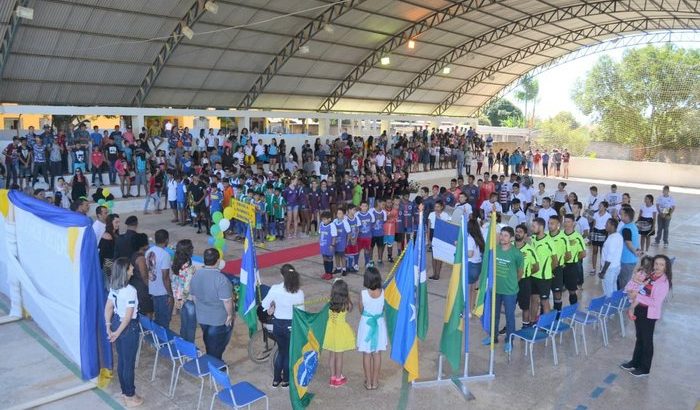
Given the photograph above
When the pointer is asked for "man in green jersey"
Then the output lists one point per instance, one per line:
(559, 246)
(576, 251)
(530, 267)
(509, 270)
(546, 260)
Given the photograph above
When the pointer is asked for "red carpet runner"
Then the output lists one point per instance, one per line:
(267, 259)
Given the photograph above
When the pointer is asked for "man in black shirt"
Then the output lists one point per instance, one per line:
(112, 153)
(123, 244)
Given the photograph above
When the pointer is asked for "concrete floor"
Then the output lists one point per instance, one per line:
(578, 382)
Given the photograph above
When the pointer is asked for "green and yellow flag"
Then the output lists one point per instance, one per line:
(308, 331)
(453, 327)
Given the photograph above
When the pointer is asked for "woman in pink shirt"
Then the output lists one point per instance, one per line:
(649, 300)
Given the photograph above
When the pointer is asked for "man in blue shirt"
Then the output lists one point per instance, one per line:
(630, 248)
(39, 155)
(96, 137)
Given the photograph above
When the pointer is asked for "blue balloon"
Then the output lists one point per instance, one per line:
(211, 240)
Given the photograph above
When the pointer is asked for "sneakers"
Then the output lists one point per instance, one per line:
(502, 331)
(344, 273)
(276, 384)
(627, 366)
(336, 271)
(390, 260)
(284, 385)
(326, 276)
(638, 373)
(665, 246)
(133, 401)
(355, 268)
(487, 341)
(338, 381)
(507, 347)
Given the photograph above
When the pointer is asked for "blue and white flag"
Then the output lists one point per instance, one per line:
(250, 278)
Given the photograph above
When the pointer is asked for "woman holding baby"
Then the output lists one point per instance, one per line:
(647, 292)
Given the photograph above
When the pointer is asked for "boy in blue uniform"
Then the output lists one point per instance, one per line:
(181, 199)
(343, 230)
(364, 236)
(351, 250)
(328, 234)
(379, 215)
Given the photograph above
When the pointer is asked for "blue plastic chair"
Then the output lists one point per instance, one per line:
(566, 324)
(145, 335)
(615, 307)
(234, 395)
(537, 334)
(592, 316)
(194, 364)
(164, 344)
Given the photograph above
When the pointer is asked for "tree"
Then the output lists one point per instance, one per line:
(563, 131)
(648, 99)
(497, 111)
(529, 89)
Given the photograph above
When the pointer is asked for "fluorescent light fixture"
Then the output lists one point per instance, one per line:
(304, 50)
(446, 70)
(25, 12)
(232, 109)
(328, 28)
(211, 7)
(187, 32)
(211, 109)
(411, 44)
(385, 60)
(492, 77)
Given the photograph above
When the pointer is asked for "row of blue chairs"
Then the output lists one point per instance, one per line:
(185, 357)
(552, 324)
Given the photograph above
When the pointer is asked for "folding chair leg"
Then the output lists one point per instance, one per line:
(173, 383)
(172, 380)
(267, 404)
(622, 323)
(583, 333)
(604, 329)
(155, 363)
(213, 399)
(138, 350)
(554, 351)
(573, 333)
(530, 346)
(201, 390)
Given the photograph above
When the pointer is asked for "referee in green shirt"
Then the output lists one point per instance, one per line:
(558, 242)
(575, 252)
(541, 280)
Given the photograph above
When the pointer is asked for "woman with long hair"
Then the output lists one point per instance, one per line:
(121, 311)
(182, 273)
(272, 154)
(647, 221)
(139, 280)
(476, 245)
(280, 302)
(106, 245)
(79, 185)
(648, 298)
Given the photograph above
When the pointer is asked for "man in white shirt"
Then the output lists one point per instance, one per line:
(665, 205)
(611, 257)
(489, 206)
(464, 206)
(159, 287)
(99, 225)
(380, 159)
(546, 211)
(438, 213)
(517, 212)
(212, 142)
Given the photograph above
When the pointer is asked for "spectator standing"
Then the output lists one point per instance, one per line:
(159, 286)
(212, 294)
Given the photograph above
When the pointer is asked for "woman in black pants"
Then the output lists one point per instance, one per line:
(647, 299)
(280, 302)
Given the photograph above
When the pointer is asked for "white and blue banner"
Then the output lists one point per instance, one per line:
(51, 254)
(445, 241)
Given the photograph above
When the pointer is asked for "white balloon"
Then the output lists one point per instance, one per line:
(224, 224)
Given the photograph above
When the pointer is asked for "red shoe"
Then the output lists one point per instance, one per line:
(341, 380)
(326, 276)
(334, 382)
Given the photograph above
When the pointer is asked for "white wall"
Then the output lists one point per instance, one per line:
(657, 173)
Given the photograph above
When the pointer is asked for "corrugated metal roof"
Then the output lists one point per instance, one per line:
(88, 52)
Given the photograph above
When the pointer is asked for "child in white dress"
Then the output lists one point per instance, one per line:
(371, 332)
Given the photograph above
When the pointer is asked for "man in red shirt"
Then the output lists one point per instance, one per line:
(487, 187)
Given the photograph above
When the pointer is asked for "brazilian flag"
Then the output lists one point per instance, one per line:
(308, 331)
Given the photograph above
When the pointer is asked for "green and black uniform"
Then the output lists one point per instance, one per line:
(525, 284)
(541, 280)
(559, 247)
(573, 269)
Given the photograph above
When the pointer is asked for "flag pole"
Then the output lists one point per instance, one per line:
(465, 291)
(492, 228)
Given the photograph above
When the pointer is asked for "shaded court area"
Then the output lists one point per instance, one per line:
(32, 366)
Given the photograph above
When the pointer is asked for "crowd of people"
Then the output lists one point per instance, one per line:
(355, 195)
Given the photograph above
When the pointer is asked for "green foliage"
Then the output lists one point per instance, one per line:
(563, 131)
(529, 89)
(651, 98)
(499, 110)
(484, 120)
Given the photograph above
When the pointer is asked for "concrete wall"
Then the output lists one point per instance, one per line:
(658, 173)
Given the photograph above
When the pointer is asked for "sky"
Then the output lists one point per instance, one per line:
(557, 84)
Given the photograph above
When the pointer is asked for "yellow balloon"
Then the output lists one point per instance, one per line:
(105, 192)
(219, 235)
(221, 254)
(228, 212)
